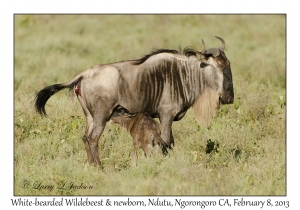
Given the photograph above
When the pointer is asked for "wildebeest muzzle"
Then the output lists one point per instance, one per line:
(227, 96)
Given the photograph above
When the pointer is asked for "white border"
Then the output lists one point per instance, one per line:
(217, 6)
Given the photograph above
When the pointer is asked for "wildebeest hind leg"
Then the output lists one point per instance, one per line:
(88, 129)
(89, 126)
(96, 133)
(100, 118)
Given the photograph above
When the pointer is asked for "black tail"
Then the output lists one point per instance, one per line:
(43, 95)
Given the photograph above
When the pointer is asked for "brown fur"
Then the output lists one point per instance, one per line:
(206, 106)
(144, 130)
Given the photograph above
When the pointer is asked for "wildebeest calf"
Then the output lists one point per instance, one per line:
(144, 130)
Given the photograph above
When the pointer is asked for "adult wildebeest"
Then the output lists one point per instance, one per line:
(164, 83)
(144, 130)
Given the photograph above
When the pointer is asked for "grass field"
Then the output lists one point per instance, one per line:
(242, 152)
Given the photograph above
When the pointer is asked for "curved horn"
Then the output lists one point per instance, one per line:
(223, 43)
(203, 47)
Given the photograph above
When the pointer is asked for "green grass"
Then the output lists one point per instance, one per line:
(242, 152)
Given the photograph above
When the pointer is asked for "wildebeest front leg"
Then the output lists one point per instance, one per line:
(166, 129)
(171, 137)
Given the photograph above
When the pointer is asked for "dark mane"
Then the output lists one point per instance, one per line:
(186, 51)
(155, 52)
(189, 52)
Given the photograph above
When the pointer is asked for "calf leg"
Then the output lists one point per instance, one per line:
(145, 148)
(134, 152)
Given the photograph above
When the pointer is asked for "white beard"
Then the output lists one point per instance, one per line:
(206, 106)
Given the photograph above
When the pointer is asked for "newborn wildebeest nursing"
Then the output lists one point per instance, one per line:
(164, 84)
(144, 130)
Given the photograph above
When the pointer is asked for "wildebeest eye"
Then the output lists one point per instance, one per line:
(203, 65)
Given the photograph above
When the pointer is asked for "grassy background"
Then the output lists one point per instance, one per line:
(242, 152)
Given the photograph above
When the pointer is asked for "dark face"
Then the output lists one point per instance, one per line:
(217, 58)
(227, 96)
